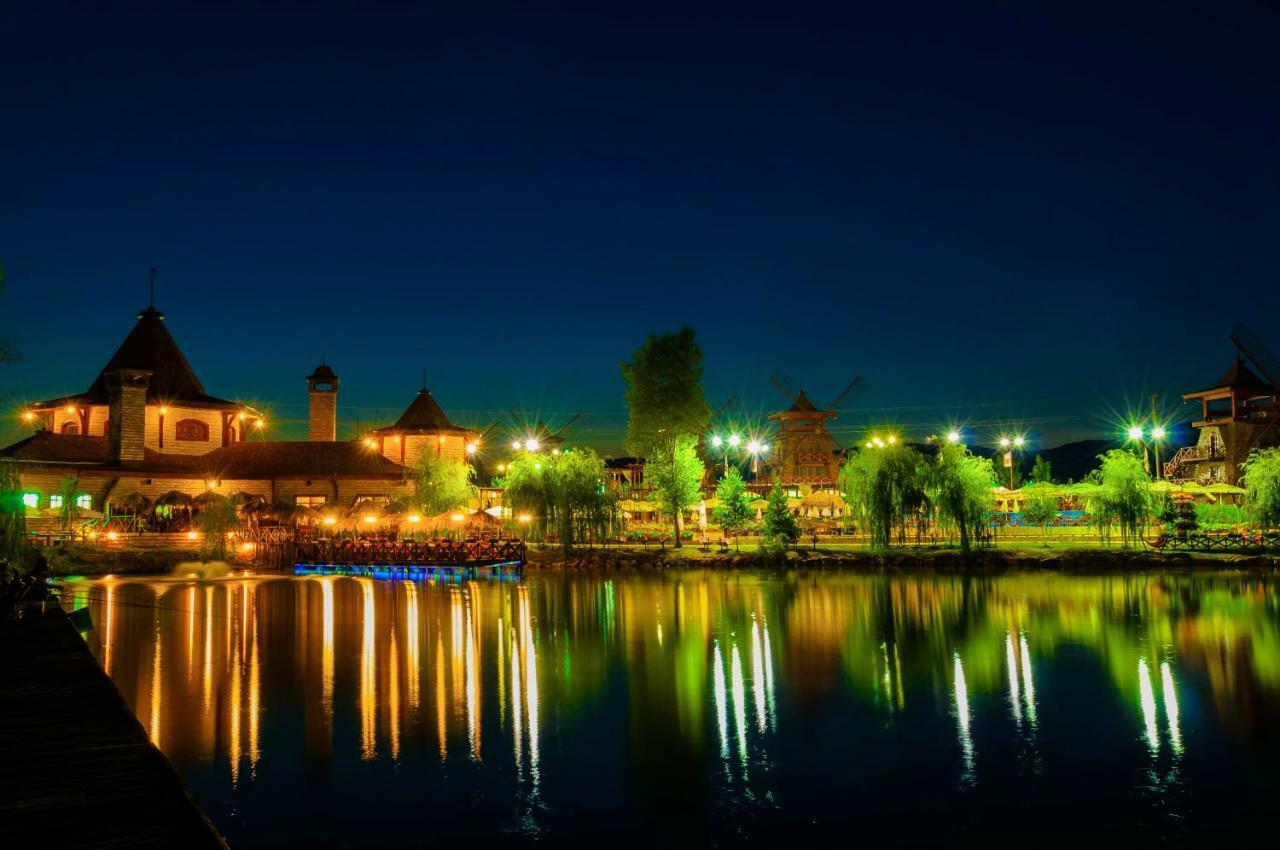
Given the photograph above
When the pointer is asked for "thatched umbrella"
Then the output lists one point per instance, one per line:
(175, 498)
(300, 513)
(134, 503)
(207, 498)
(247, 501)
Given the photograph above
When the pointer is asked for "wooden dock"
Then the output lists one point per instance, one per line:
(76, 767)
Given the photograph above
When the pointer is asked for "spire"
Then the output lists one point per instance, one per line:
(152, 304)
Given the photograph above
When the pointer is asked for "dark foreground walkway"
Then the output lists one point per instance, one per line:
(76, 767)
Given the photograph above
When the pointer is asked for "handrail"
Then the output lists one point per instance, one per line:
(392, 552)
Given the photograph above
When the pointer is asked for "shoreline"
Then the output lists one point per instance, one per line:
(96, 561)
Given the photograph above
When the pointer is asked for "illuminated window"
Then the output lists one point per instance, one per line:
(193, 430)
(31, 500)
(55, 501)
(309, 501)
(70, 428)
(84, 500)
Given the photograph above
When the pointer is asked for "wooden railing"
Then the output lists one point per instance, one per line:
(404, 553)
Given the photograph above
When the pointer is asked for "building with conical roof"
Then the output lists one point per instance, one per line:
(807, 456)
(423, 428)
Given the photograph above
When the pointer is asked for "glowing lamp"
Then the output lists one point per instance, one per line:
(370, 518)
(111, 535)
(456, 517)
(524, 517)
(259, 424)
(515, 444)
(329, 520)
(1004, 442)
(471, 448)
(870, 444)
(531, 444)
(71, 411)
(716, 441)
(191, 535)
(246, 547)
(1157, 433)
(734, 440)
(892, 439)
(502, 467)
(28, 415)
(953, 437)
(240, 415)
(415, 518)
(163, 411)
(1018, 441)
(537, 466)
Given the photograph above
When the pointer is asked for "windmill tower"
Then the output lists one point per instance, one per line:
(807, 454)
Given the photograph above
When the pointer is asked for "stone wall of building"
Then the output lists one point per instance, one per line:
(211, 419)
(324, 416)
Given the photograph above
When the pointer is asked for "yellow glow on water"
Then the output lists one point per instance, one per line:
(1011, 661)
(414, 641)
(473, 685)
(739, 703)
(393, 699)
(517, 711)
(156, 669)
(530, 681)
(206, 676)
(368, 675)
(110, 628)
(1028, 684)
(233, 731)
(1171, 707)
(255, 688)
(442, 733)
(962, 714)
(1147, 698)
(326, 648)
(757, 676)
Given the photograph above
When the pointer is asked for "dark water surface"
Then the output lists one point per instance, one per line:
(692, 708)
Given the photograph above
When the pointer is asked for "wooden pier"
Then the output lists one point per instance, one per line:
(77, 769)
(404, 558)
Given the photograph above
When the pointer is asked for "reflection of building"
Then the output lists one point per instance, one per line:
(1237, 415)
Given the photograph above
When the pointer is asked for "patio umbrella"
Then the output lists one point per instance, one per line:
(300, 513)
(247, 501)
(1222, 488)
(207, 498)
(174, 498)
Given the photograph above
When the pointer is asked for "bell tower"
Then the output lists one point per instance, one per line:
(322, 386)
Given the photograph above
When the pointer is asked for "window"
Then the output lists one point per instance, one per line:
(193, 430)
(70, 428)
(31, 500)
(55, 501)
(309, 501)
(84, 500)
(379, 499)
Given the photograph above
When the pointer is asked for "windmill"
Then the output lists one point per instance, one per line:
(807, 453)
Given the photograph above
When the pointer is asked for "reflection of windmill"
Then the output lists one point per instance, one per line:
(534, 434)
(806, 452)
(1238, 414)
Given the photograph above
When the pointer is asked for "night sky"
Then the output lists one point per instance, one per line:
(1000, 216)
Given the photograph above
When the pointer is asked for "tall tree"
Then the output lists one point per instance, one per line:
(1041, 470)
(885, 487)
(443, 484)
(780, 526)
(733, 503)
(677, 479)
(1124, 497)
(962, 485)
(666, 410)
(565, 492)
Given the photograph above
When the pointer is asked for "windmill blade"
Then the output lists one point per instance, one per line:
(854, 384)
(1256, 351)
(565, 427)
(732, 401)
(783, 384)
(487, 431)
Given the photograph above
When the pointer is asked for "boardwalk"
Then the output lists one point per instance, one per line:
(76, 767)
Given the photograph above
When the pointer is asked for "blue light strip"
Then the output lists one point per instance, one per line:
(504, 571)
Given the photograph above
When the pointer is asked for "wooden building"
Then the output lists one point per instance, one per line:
(1237, 414)
(423, 428)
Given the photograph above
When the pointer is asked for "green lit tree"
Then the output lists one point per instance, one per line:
(886, 487)
(565, 493)
(1041, 470)
(677, 479)
(780, 526)
(961, 483)
(733, 504)
(216, 520)
(13, 525)
(1124, 496)
(667, 413)
(443, 484)
(1262, 487)
(1040, 512)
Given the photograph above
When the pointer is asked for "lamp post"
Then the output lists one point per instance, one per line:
(1008, 445)
(725, 445)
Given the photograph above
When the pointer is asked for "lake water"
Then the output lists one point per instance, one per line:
(709, 708)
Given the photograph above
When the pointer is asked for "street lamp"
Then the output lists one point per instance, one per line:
(755, 448)
(1009, 445)
(531, 444)
(725, 445)
(953, 437)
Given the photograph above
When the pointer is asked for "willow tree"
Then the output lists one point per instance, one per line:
(962, 484)
(886, 487)
(216, 520)
(1262, 487)
(667, 412)
(565, 493)
(13, 513)
(443, 484)
(1124, 496)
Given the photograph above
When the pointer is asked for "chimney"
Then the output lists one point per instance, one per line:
(322, 387)
(126, 422)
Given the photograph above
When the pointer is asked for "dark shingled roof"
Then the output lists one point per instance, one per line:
(1239, 376)
(149, 346)
(239, 460)
(802, 404)
(423, 415)
(322, 373)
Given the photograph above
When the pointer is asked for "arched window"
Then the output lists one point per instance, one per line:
(193, 430)
(70, 428)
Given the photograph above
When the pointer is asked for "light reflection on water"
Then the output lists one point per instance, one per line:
(575, 705)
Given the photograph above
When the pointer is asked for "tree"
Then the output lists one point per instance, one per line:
(1040, 511)
(1124, 497)
(565, 492)
(677, 479)
(1041, 471)
(1262, 487)
(13, 525)
(216, 520)
(443, 484)
(667, 411)
(962, 484)
(780, 527)
(733, 503)
(68, 509)
(885, 487)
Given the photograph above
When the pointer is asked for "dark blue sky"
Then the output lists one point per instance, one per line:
(992, 213)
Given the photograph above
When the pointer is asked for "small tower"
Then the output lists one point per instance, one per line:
(322, 387)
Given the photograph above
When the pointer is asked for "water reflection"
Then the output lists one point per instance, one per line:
(695, 695)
